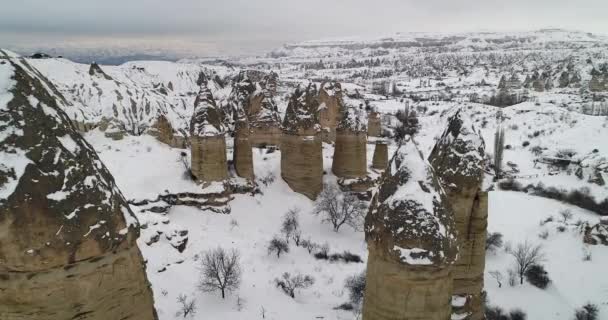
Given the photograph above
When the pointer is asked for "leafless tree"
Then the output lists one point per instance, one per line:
(187, 308)
(309, 245)
(220, 270)
(289, 284)
(338, 208)
(291, 224)
(526, 254)
(279, 245)
(297, 237)
(497, 276)
(493, 241)
(566, 215)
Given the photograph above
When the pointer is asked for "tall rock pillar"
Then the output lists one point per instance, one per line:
(411, 239)
(243, 156)
(330, 109)
(350, 153)
(207, 139)
(301, 149)
(67, 235)
(374, 124)
(380, 159)
(458, 160)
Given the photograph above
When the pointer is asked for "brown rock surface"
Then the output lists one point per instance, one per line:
(458, 160)
(301, 149)
(374, 125)
(330, 109)
(243, 157)
(350, 153)
(380, 159)
(67, 235)
(412, 245)
(207, 140)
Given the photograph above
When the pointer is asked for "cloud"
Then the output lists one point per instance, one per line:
(242, 25)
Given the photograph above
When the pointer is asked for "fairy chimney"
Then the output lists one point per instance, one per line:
(380, 159)
(207, 139)
(458, 160)
(243, 157)
(330, 109)
(350, 153)
(411, 240)
(301, 150)
(374, 125)
(68, 242)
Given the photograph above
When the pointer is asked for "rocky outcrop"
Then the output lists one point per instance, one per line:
(330, 109)
(374, 125)
(67, 235)
(256, 99)
(380, 159)
(458, 160)
(164, 132)
(96, 71)
(207, 139)
(412, 243)
(301, 150)
(350, 153)
(243, 157)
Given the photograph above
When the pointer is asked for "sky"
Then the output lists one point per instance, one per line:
(248, 27)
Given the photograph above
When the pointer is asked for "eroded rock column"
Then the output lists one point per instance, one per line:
(458, 159)
(301, 149)
(243, 156)
(207, 139)
(67, 235)
(374, 124)
(350, 153)
(380, 159)
(412, 245)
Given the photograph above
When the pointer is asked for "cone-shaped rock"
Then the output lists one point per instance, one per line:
(207, 139)
(380, 159)
(330, 109)
(374, 125)
(350, 153)
(301, 149)
(412, 244)
(67, 235)
(458, 160)
(243, 157)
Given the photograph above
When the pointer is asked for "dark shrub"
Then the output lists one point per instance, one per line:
(517, 315)
(587, 312)
(356, 288)
(493, 241)
(525, 144)
(510, 185)
(538, 276)
(351, 257)
(345, 306)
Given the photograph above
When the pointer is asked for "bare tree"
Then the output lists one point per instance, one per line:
(497, 276)
(566, 215)
(297, 237)
(493, 241)
(279, 245)
(186, 307)
(290, 224)
(220, 271)
(309, 245)
(339, 209)
(289, 284)
(526, 254)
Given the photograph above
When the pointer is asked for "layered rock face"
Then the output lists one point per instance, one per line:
(458, 160)
(350, 153)
(330, 109)
(380, 159)
(67, 236)
(301, 149)
(412, 244)
(163, 132)
(207, 139)
(374, 125)
(256, 99)
(243, 157)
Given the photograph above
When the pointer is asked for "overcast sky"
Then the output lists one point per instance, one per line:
(204, 28)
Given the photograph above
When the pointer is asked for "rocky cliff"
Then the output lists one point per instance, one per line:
(458, 160)
(412, 243)
(67, 235)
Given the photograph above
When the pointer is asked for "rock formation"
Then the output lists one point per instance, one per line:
(374, 125)
(330, 109)
(243, 157)
(412, 243)
(207, 139)
(256, 99)
(301, 150)
(163, 132)
(458, 160)
(350, 153)
(68, 237)
(380, 159)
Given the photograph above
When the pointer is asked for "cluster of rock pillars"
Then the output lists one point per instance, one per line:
(67, 240)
